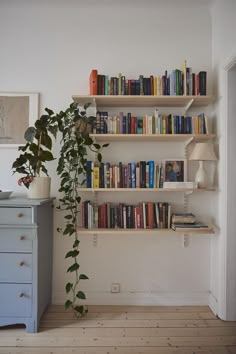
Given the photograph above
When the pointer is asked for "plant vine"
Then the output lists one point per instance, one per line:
(72, 169)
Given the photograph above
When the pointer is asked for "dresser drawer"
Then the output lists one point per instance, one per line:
(16, 240)
(15, 300)
(16, 215)
(15, 267)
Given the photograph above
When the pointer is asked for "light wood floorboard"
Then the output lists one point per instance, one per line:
(124, 330)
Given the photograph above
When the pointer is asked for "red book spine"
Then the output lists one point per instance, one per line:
(132, 125)
(138, 217)
(150, 216)
(196, 84)
(93, 82)
(129, 87)
(103, 84)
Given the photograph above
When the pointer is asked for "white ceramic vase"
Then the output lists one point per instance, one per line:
(39, 188)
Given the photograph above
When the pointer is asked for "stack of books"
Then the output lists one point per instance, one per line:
(186, 221)
(190, 185)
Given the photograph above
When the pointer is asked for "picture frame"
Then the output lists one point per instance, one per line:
(175, 170)
(17, 112)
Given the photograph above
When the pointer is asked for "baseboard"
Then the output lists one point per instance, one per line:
(139, 298)
(213, 304)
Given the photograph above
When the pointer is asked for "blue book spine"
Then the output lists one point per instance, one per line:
(151, 173)
(124, 125)
(128, 126)
(139, 125)
(133, 174)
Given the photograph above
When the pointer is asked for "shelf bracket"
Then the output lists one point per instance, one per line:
(188, 105)
(188, 192)
(185, 237)
(188, 141)
(185, 240)
(95, 240)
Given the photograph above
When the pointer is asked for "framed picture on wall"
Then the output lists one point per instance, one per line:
(175, 170)
(17, 112)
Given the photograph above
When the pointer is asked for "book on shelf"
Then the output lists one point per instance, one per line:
(175, 185)
(183, 218)
(188, 227)
(174, 83)
(93, 82)
(202, 82)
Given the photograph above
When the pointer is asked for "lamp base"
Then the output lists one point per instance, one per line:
(201, 176)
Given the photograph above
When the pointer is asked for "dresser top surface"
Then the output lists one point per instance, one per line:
(20, 201)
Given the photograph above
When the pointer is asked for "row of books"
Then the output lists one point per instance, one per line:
(149, 124)
(145, 215)
(176, 83)
(142, 174)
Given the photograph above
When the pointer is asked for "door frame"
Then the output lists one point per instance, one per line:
(227, 265)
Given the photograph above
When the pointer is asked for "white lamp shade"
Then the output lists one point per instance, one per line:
(203, 152)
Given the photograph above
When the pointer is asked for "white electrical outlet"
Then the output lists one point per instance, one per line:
(115, 287)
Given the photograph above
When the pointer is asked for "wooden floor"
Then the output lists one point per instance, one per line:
(125, 330)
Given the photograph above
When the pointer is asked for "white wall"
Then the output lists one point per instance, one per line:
(51, 48)
(223, 50)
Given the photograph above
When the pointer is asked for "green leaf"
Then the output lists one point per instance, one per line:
(68, 304)
(97, 146)
(76, 243)
(83, 276)
(69, 229)
(69, 286)
(30, 134)
(105, 145)
(73, 268)
(80, 309)
(78, 199)
(53, 131)
(99, 157)
(72, 254)
(46, 156)
(81, 295)
(49, 111)
(46, 141)
(68, 217)
(87, 105)
(59, 229)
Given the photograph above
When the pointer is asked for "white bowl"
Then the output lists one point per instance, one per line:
(5, 194)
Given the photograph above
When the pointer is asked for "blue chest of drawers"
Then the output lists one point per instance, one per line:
(25, 260)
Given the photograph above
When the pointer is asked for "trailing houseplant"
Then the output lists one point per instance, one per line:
(31, 162)
(72, 168)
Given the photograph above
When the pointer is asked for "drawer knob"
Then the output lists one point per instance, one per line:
(21, 264)
(22, 238)
(21, 294)
(20, 215)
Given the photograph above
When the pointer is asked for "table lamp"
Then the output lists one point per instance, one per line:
(202, 152)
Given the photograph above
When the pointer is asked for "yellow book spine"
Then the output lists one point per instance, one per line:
(158, 86)
(172, 124)
(96, 177)
(164, 125)
(155, 86)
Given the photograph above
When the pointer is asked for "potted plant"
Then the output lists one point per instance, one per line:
(34, 155)
(72, 168)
